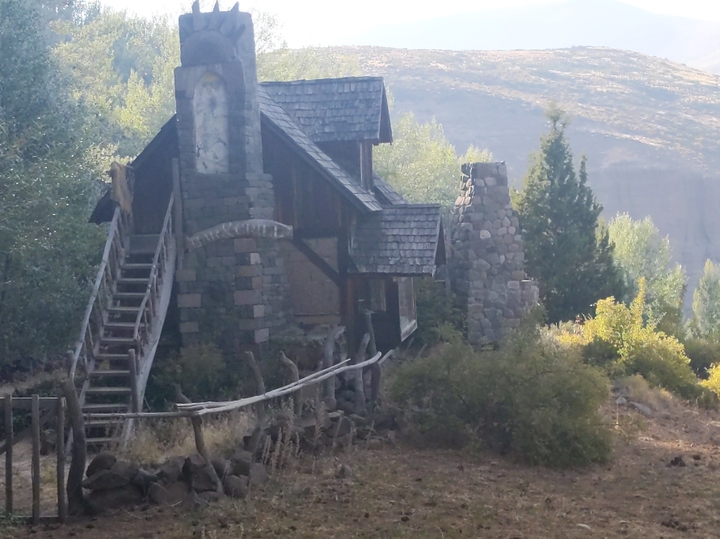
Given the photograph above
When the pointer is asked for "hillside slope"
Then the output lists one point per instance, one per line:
(650, 127)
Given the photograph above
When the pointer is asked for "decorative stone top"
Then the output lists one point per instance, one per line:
(211, 38)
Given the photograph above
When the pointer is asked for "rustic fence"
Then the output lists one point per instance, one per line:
(53, 407)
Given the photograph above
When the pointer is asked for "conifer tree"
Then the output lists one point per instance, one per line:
(566, 248)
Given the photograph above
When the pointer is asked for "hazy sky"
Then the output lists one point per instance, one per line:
(324, 22)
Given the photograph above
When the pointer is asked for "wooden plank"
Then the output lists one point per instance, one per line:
(132, 364)
(25, 403)
(60, 447)
(9, 454)
(178, 210)
(317, 261)
(35, 475)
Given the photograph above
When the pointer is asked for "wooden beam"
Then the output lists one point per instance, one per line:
(35, 473)
(60, 448)
(178, 214)
(317, 261)
(9, 454)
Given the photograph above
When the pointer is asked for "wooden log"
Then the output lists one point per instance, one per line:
(135, 395)
(60, 469)
(375, 370)
(328, 349)
(360, 405)
(294, 377)
(200, 446)
(8, 454)
(77, 505)
(249, 358)
(35, 471)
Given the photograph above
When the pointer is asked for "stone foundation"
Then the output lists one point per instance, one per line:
(486, 260)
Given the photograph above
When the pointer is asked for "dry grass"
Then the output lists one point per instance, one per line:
(157, 441)
(401, 492)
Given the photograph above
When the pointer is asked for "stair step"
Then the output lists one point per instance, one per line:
(108, 391)
(133, 280)
(119, 325)
(105, 408)
(110, 341)
(102, 441)
(145, 243)
(95, 423)
(109, 372)
(129, 295)
(111, 357)
(136, 266)
(123, 310)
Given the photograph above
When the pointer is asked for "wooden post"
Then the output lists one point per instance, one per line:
(294, 377)
(249, 358)
(178, 214)
(328, 361)
(375, 368)
(135, 395)
(35, 474)
(75, 497)
(8, 454)
(60, 447)
(360, 405)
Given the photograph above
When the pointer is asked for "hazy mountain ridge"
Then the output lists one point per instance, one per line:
(650, 127)
(606, 23)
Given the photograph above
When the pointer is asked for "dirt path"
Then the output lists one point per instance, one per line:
(397, 492)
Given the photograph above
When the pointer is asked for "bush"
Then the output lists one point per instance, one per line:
(713, 381)
(436, 306)
(530, 398)
(703, 354)
(619, 339)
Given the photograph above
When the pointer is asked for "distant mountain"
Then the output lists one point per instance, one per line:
(602, 23)
(650, 127)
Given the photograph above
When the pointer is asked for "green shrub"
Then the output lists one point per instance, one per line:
(531, 398)
(436, 305)
(703, 354)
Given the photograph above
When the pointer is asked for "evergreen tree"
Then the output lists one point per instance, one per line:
(706, 304)
(566, 249)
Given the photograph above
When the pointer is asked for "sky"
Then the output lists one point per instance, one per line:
(330, 22)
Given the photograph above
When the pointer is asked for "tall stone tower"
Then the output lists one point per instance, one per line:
(231, 284)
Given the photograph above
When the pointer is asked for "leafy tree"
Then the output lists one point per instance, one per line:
(640, 251)
(47, 250)
(706, 304)
(565, 248)
(421, 163)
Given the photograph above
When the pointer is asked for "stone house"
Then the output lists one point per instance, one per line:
(279, 217)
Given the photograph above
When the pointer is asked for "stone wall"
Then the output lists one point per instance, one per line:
(486, 254)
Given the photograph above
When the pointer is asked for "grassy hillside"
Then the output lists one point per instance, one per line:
(650, 127)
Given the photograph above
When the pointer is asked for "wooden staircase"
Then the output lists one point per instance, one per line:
(112, 360)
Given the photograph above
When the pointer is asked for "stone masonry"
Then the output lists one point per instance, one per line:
(233, 288)
(486, 255)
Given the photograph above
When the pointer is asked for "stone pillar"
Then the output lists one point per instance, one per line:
(232, 288)
(486, 254)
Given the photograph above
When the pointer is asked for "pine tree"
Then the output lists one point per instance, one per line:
(566, 249)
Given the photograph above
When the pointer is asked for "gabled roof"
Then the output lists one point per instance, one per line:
(284, 126)
(401, 240)
(386, 195)
(333, 110)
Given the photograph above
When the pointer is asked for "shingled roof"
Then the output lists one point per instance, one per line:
(286, 128)
(386, 195)
(332, 110)
(400, 240)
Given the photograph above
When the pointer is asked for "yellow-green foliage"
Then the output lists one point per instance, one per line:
(713, 381)
(626, 345)
(531, 398)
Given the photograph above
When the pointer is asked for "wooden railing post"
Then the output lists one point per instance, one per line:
(133, 381)
(60, 447)
(8, 454)
(35, 474)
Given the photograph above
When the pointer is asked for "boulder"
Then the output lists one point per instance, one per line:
(240, 462)
(105, 480)
(168, 494)
(222, 467)
(103, 461)
(143, 479)
(171, 470)
(125, 469)
(199, 473)
(236, 486)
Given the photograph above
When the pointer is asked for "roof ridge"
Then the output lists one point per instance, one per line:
(324, 80)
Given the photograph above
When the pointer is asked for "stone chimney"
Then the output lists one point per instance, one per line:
(486, 257)
(231, 288)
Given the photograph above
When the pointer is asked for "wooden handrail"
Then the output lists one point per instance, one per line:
(114, 230)
(155, 266)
